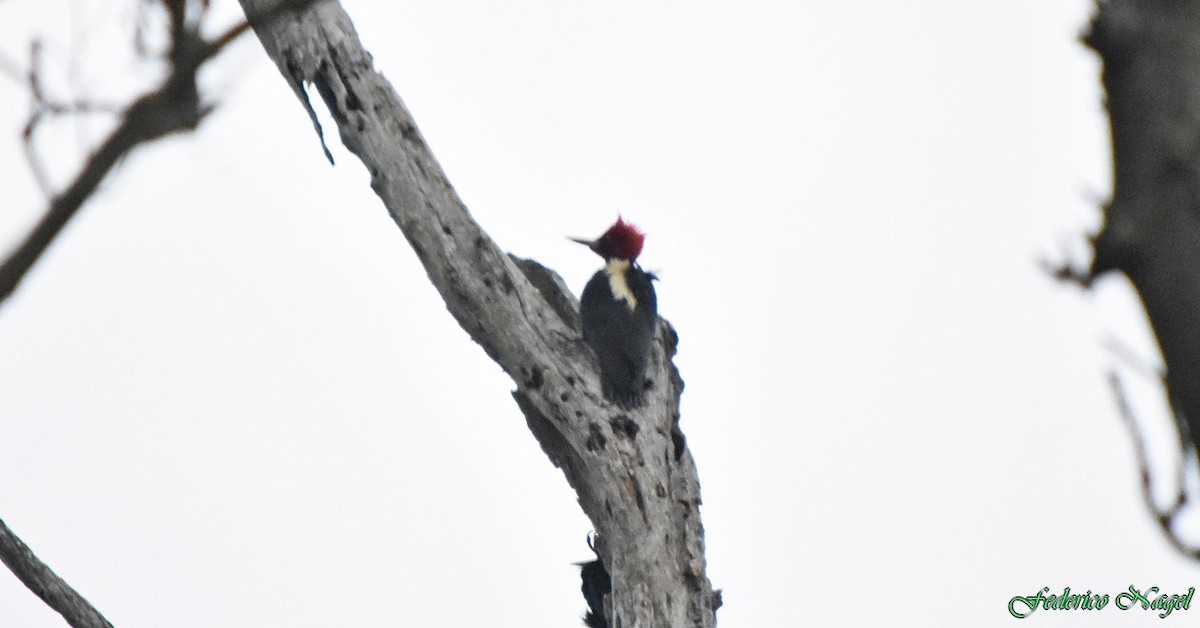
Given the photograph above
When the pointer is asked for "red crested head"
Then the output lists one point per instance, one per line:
(621, 241)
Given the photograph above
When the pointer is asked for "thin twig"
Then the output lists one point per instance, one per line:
(226, 38)
(1164, 517)
(1068, 273)
(37, 112)
(31, 155)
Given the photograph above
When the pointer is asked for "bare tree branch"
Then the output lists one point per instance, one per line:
(631, 469)
(42, 106)
(40, 579)
(39, 107)
(174, 106)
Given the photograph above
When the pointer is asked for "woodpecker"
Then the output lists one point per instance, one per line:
(596, 584)
(619, 311)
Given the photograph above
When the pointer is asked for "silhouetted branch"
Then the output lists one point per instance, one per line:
(1151, 224)
(41, 107)
(1164, 517)
(1068, 273)
(174, 106)
(1151, 228)
(40, 579)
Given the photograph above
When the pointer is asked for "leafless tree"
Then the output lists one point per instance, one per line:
(631, 469)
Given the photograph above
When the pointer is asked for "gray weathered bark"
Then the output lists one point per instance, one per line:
(46, 584)
(632, 471)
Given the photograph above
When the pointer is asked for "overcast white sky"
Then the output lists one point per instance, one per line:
(230, 397)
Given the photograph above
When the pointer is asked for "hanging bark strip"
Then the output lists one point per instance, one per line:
(632, 471)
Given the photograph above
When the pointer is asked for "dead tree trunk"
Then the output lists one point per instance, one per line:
(631, 469)
(1151, 229)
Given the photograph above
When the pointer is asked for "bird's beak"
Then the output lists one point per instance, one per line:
(591, 244)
